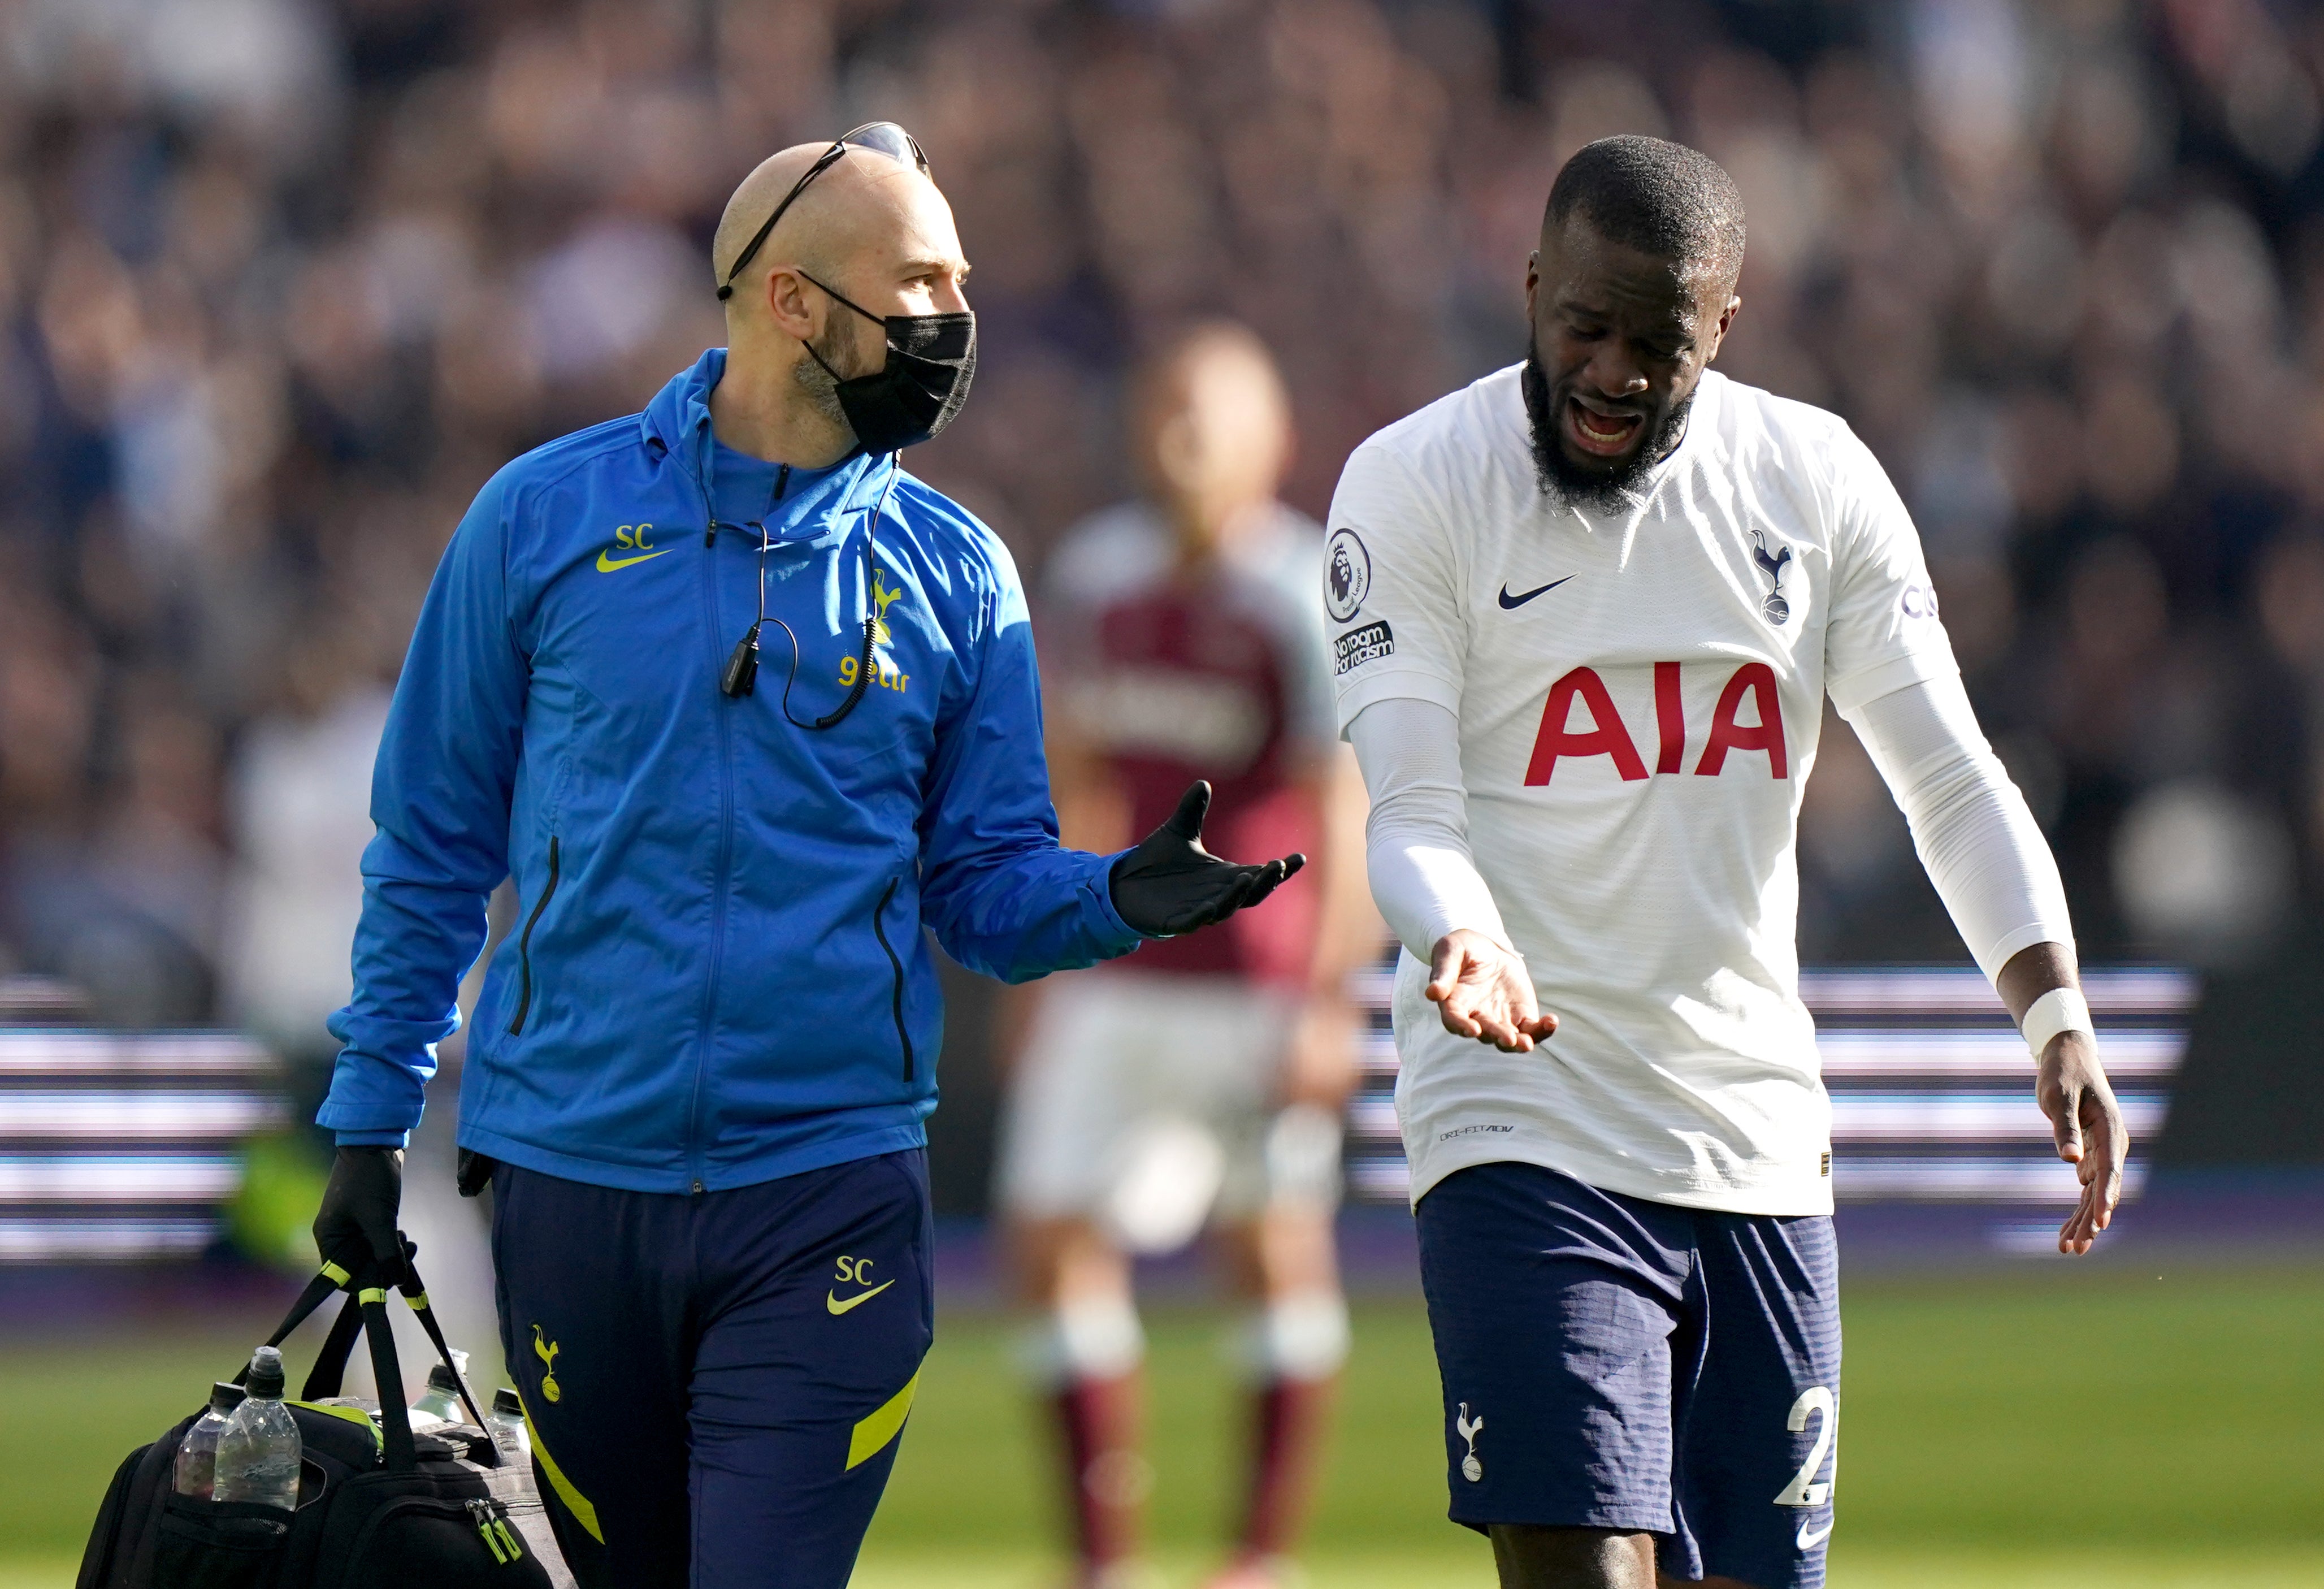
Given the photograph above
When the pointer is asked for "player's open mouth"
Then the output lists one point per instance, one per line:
(1600, 435)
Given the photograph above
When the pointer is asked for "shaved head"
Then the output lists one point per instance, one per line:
(862, 203)
(867, 238)
(751, 203)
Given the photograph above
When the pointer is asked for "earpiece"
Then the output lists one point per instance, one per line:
(742, 675)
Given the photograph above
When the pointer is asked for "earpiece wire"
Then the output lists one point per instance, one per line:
(871, 617)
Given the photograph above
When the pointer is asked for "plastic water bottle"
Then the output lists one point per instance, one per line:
(258, 1451)
(439, 1403)
(508, 1430)
(197, 1469)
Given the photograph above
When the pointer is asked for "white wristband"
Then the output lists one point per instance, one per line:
(2059, 1010)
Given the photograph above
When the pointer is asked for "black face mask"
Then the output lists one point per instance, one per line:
(914, 395)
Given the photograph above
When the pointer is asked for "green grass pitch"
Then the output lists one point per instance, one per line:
(2054, 1427)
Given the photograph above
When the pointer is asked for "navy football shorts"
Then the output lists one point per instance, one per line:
(716, 1384)
(1614, 1364)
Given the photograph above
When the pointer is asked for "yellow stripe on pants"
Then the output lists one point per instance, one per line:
(575, 1502)
(873, 1434)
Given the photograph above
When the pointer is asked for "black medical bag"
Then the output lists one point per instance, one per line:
(377, 1504)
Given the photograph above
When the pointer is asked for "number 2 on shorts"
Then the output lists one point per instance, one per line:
(1800, 1492)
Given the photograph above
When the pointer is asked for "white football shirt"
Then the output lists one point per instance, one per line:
(1639, 695)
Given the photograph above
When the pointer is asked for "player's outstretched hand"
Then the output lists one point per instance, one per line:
(1171, 885)
(1483, 991)
(2072, 1089)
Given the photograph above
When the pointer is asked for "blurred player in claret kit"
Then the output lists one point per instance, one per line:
(1585, 614)
(1181, 632)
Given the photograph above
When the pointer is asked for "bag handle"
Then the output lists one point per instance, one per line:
(327, 1279)
(416, 1294)
(367, 1311)
(394, 1420)
(330, 1369)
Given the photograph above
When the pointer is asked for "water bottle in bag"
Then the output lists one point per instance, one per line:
(259, 1449)
(508, 1430)
(439, 1403)
(197, 1466)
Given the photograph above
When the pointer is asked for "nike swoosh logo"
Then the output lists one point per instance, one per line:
(1512, 602)
(861, 1298)
(606, 563)
(1810, 1536)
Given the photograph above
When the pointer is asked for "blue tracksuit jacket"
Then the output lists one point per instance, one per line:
(718, 972)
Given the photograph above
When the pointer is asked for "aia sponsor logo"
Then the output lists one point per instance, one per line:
(1579, 720)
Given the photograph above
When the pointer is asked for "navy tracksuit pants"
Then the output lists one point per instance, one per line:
(716, 1383)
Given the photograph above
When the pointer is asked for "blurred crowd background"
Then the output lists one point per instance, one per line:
(282, 282)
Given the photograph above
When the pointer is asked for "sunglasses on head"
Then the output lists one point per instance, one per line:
(879, 137)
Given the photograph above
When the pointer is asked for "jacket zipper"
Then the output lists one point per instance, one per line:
(896, 1001)
(524, 943)
(725, 838)
(718, 898)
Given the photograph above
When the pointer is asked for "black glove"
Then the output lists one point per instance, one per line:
(474, 1172)
(1171, 885)
(356, 1225)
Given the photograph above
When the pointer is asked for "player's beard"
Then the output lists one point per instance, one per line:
(1573, 486)
(821, 387)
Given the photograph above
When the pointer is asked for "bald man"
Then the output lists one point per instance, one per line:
(746, 713)
(1206, 1077)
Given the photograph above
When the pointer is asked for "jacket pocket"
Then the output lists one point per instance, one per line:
(524, 943)
(896, 964)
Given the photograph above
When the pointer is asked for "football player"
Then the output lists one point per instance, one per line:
(1207, 1081)
(1585, 614)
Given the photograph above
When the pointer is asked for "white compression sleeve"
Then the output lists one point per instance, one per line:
(1417, 839)
(1975, 835)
